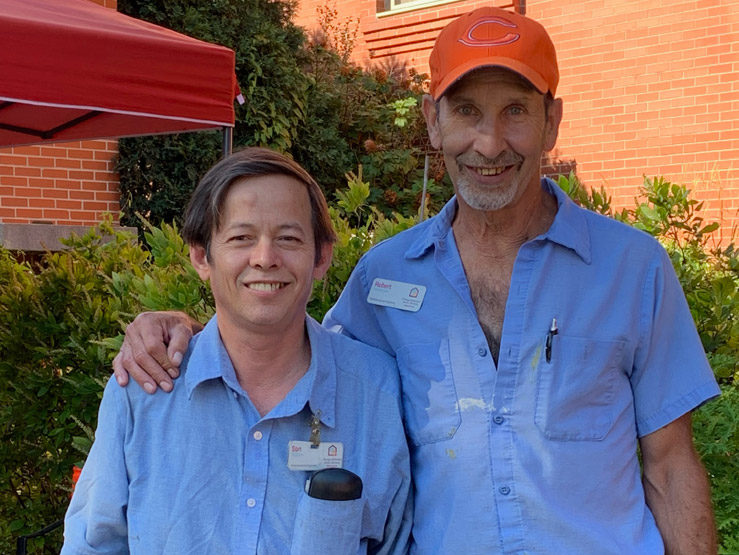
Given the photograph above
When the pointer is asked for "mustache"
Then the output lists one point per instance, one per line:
(477, 160)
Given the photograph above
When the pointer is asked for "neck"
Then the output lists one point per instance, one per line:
(267, 365)
(502, 232)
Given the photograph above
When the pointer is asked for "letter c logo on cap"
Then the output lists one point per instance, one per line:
(508, 38)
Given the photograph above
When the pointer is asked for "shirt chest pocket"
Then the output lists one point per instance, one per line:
(430, 407)
(577, 390)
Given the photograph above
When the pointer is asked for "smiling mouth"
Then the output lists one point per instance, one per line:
(490, 171)
(263, 286)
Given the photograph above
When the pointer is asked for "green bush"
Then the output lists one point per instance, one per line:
(58, 326)
(369, 118)
(53, 320)
(61, 322)
(716, 432)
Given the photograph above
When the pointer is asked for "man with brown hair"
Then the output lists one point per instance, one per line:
(268, 396)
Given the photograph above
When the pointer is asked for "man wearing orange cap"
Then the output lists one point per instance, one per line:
(539, 345)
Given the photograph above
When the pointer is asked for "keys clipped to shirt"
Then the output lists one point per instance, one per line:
(315, 454)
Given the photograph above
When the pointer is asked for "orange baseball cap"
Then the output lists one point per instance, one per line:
(493, 37)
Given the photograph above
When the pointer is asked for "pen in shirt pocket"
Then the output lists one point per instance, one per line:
(553, 330)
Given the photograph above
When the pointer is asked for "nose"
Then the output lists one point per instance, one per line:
(264, 255)
(489, 137)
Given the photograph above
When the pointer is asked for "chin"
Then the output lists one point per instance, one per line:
(485, 200)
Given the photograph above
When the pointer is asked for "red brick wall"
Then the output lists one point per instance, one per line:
(649, 88)
(60, 183)
(387, 38)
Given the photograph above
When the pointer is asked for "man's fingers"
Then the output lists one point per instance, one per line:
(148, 370)
(150, 348)
(178, 343)
(153, 349)
(121, 376)
(144, 369)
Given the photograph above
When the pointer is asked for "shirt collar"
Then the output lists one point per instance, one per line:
(435, 230)
(207, 359)
(569, 228)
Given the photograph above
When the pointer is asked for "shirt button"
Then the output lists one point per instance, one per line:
(257, 435)
(505, 490)
(498, 419)
(482, 351)
(251, 502)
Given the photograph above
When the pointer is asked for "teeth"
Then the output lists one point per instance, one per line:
(264, 286)
(490, 171)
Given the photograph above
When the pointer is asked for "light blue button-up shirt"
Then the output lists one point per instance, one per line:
(199, 471)
(536, 455)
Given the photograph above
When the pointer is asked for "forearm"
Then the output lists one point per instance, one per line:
(678, 494)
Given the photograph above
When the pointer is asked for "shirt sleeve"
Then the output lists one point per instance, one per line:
(397, 536)
(96, 518)
(396, 540)
(353, 316)
(671, 375)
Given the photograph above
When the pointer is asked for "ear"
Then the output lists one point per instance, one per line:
(200, 261)
(554, 118)
(320, 269)
(432, 120)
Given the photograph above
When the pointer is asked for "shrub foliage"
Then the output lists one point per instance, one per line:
(61, 322)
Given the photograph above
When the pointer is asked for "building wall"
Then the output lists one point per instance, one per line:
(649, 88)
(60, 183)
(385, 38)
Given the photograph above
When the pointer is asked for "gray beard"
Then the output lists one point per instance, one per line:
(485, 200)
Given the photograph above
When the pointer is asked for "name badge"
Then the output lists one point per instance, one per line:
(302, 455)
(396, 294)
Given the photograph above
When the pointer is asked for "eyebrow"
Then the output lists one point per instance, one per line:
(286, 226)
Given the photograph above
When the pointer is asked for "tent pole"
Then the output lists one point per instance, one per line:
(227, 141)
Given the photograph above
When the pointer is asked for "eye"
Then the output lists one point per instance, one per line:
(289, 239)
(241, 238)
(516, 110)
(465, 110)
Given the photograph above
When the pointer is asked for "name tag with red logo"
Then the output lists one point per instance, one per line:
(303, 455)
(396, 294)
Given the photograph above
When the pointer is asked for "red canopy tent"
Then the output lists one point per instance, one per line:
(71, 69)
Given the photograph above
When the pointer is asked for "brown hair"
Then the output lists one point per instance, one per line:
(203, 214)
